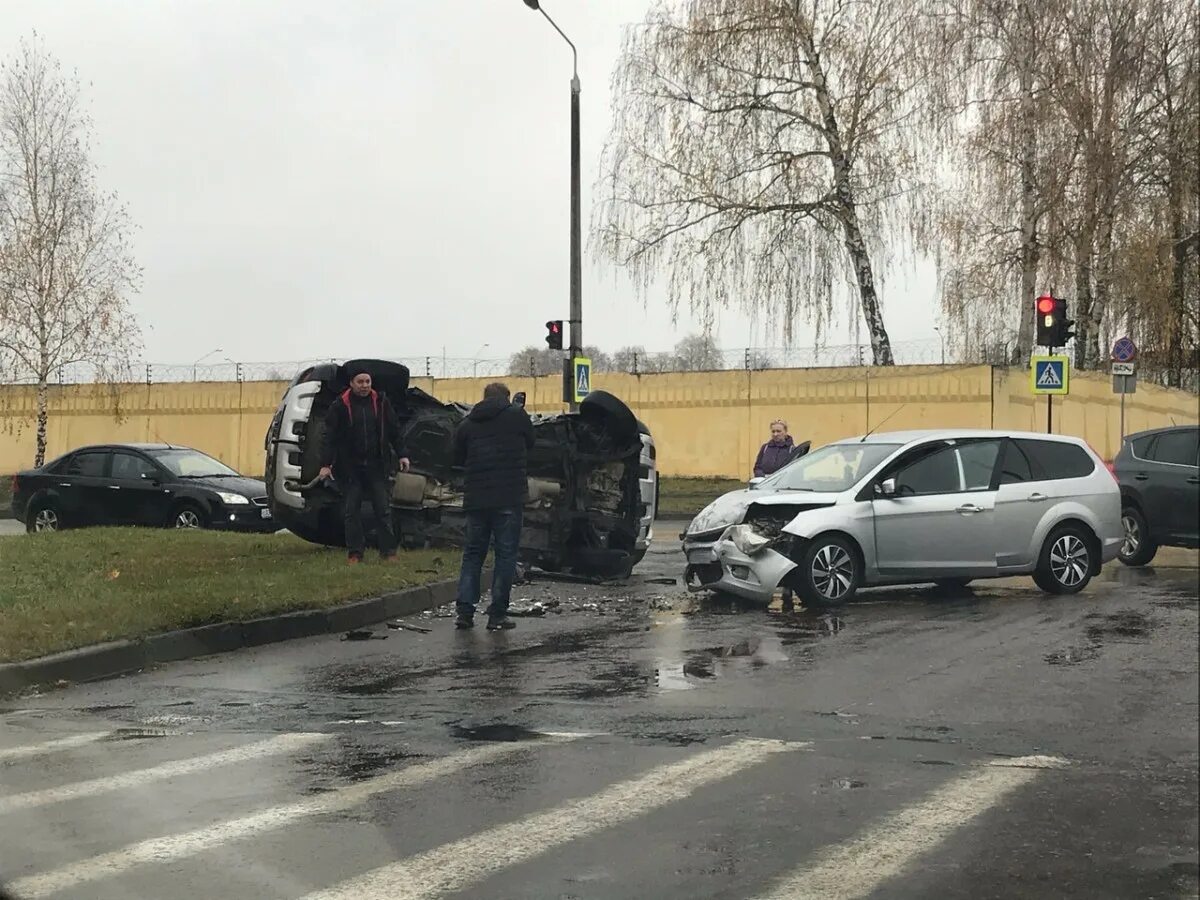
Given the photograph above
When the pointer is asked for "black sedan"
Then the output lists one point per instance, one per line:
(139, 484)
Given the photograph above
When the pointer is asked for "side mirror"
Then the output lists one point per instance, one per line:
(886, 488)
(755, 482)
(519, 399)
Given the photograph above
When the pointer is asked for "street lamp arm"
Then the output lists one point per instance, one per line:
(574, 52)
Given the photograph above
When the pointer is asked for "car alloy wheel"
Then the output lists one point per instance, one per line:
(832, 572)
(1133, 536)
(1069, 560)
(45, 520)
(187, 518)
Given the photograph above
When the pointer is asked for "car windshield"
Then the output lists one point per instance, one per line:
(193, 464)
(833, 468)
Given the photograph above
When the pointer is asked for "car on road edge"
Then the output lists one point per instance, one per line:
(593, 479)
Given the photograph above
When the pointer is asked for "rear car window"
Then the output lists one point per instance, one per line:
(978, 462)
(1054, 460)
(87, 465)
(1141, 446)
(131, 466)
(1015, 468)
(1176, 447)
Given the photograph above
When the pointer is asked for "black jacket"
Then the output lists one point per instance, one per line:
(492, 443)
(361, 431)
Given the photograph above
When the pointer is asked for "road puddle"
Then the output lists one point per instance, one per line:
(1123, 626)
(495, 732)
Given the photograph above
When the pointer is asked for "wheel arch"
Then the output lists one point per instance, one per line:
(800, 544)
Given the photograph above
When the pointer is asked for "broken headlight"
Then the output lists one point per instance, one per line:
(747, 538)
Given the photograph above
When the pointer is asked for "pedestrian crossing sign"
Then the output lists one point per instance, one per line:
(1050, 374)
(582, 367)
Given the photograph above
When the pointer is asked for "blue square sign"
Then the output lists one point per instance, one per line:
(582, 380)
(1050, 374)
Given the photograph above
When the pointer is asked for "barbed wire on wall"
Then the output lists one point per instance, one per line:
(547, 363)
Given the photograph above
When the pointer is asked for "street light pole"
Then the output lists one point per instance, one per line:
(576, 275)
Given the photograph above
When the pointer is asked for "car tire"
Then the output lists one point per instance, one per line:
(188, 515)
(1065, 563)
(1137, 549)
(830, 571)
(43, 517)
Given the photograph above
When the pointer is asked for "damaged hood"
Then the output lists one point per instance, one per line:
(730, 509)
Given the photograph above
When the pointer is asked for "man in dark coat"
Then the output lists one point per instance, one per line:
(492, 445)
(362, 449)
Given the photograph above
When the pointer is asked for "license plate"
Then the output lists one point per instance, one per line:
(266, 513)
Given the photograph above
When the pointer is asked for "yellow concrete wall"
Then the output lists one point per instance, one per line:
(1091, 411)
(704, 423)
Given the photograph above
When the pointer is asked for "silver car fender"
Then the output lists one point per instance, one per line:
(1057, 512)
(855, 518)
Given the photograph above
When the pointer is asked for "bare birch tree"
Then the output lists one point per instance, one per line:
(65, 260)
(1103, 93)
(1169, 318)
(759, 150)
(1008, 161)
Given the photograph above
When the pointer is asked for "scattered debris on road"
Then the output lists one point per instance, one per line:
(404, 626)
(359, 634)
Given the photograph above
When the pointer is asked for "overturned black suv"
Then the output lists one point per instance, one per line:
(589, 509)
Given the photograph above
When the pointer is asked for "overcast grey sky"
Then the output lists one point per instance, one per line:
(383, 178)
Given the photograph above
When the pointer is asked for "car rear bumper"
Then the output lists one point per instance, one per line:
(1110, 548)
(720, 566)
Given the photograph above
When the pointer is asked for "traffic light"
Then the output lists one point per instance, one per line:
(1053, 326)
(554, 334)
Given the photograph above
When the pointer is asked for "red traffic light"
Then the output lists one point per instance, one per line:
(1045, 304)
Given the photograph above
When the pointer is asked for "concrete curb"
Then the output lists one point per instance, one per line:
(115, 658)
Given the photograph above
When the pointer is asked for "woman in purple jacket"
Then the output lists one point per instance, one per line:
(774, 454)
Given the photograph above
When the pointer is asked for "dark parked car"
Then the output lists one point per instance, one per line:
(139, 484)
(1160, 491)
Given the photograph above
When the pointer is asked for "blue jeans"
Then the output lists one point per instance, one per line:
(483, 526)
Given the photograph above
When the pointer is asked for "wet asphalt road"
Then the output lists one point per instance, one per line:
(996, 743)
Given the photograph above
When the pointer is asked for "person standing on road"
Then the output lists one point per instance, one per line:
(775, 453)
(362, 445)
(492, 445)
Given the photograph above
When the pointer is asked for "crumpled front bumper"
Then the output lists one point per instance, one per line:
(720, 566)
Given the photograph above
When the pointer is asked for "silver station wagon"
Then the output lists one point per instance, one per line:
(942, 507)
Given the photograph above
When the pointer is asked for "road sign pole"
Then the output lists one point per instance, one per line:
(1123, 386)
(1050, 407)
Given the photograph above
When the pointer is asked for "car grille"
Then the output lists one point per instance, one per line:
(259, 501)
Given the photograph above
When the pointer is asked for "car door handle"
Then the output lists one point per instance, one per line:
(64, 484)
(1037, 498)
(1194, 480)
(1140, 476)
(969, 509)
(113, 487)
